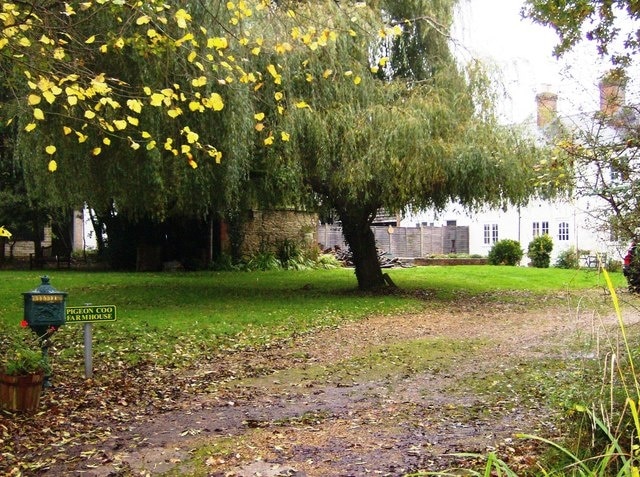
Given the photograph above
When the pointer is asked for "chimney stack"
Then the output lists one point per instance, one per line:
(612, 94)
(547, 108)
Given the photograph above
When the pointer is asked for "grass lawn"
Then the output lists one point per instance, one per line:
(176, 335)
(161, 315)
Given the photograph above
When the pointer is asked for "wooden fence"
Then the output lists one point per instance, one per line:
(405, 242)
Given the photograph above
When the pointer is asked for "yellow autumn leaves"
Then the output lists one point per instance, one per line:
(53, 165)
(100, 106)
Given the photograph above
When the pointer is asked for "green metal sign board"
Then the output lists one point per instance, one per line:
(90, 313)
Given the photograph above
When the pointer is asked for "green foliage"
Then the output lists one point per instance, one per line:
(441, 139)
(539, 251)
(302, 130)
(21, 353)
(327, 261)
(263, 261)
(505, 252)
(608, 24)
(224, 263)
(290, 254)
(614, 266)
(568, 258)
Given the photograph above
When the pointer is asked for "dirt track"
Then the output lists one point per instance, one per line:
(389, 395)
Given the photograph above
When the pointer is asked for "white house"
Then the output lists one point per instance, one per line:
(570, 223)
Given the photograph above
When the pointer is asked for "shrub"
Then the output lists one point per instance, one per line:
(290, 255)
(327, 261)
(568, 259)
(224, 263)
(505, 252)
(614, 265)
(539, 251)
(263, 261)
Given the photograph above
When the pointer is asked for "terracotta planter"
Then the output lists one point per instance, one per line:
(21, 393)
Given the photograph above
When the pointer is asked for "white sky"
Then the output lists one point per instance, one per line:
(493, 31)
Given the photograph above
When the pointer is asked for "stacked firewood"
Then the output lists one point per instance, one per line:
(346, 257)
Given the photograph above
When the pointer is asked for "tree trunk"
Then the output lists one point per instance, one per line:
(37, 229)
(98, 225)
(359, 236)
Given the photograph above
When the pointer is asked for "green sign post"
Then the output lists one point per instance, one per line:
(88, 315)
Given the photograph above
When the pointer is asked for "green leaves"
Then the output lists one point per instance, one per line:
(607, 24)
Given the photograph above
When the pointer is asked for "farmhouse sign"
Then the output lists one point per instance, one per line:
(90, 313)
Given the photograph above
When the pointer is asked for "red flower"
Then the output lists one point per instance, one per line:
(24, 323)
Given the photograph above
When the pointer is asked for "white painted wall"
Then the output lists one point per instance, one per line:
(517, 224)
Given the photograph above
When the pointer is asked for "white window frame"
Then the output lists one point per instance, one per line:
(491, 235)
(563, 232)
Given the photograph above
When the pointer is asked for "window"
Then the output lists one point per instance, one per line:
(563, 231)
(536, 228)
(490, 233)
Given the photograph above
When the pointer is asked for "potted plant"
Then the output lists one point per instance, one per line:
(22, 371)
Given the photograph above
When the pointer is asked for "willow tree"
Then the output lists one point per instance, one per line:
(416, 133)
(154, 105)
(171, 106)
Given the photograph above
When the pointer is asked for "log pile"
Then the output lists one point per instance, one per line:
(346, 257)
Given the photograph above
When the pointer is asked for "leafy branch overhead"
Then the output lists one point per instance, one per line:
(79, 65)
(612, 25)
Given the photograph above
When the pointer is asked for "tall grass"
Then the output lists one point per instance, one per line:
(612, 448)
(606, 442)
(615, 426)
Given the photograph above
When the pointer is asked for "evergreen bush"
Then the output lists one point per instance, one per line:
(505, 252)
(539, 251)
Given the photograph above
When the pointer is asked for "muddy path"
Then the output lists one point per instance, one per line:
(389, 395)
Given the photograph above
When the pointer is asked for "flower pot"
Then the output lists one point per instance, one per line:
(21, 393)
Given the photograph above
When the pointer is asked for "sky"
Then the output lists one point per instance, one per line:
(493, 31)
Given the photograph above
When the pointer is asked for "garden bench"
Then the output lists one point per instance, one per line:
(591, 261)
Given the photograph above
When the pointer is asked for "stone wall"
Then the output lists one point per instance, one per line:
(266, 229)
(22, 249)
